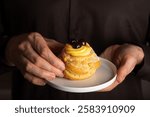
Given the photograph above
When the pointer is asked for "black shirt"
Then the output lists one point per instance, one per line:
(101, 22)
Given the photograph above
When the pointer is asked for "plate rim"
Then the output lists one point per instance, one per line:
(91, 88)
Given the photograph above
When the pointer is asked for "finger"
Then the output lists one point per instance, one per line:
(109, 52)
(111, 87)
(40, 62)
(27, 66)
(106, 54)
(125, 68)
(40, 45)
(35, 80)
(127, 65)
(55, 46)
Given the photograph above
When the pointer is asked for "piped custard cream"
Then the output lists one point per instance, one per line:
(81, 62)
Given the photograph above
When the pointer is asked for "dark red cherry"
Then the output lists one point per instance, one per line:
(77, 43)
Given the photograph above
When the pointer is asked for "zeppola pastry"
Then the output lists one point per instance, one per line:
(80, 60)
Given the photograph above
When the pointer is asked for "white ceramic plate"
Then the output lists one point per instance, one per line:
(104, 76)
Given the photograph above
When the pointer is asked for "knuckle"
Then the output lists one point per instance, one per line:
(37, 61)
(34, 81)
(28, 67)
(30, 35)
(28, 77)
(25, 75)
(21, 46)
(34, 35)
(44, 52)
(53, 62)
(39, 82)
(42, 74)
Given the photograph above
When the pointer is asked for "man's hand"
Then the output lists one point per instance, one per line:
(125, 57)
(32, 55)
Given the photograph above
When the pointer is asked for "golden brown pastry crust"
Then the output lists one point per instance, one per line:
(80, 63)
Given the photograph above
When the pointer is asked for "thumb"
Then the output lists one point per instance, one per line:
(108, 53)
(55, 46)
(125, 68)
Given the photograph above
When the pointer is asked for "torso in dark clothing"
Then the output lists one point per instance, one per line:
(101, 22)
